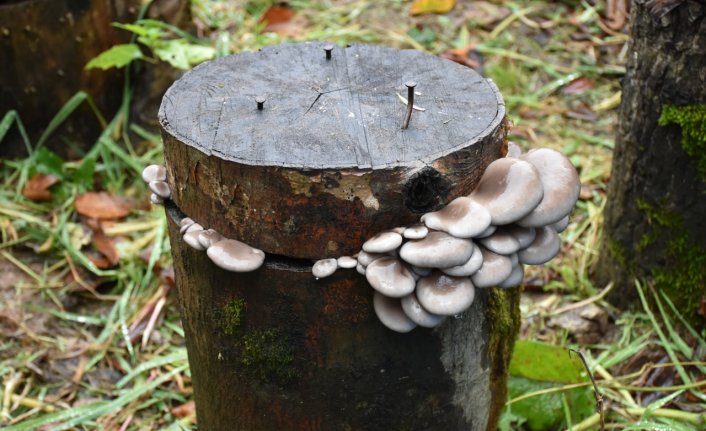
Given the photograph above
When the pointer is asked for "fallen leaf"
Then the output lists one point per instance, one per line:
(37, 188)
(101, 205)
(578, 86)
(185, 409)
(421, 7)
(616, 14)
(106, 246)
(467, 56)
(283, 21)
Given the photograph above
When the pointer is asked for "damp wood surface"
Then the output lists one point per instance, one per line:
(326, 164)
(278, 349)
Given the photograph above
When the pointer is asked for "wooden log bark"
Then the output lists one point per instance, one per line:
(321, 168)
(654, 225)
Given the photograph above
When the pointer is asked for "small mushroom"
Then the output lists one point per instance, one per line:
(561, 225)
(462, 218)
(414, 310)
(515, 277)
(360, 268)
(193, 227)
(445, 295)
(501, 242)
(509, 189)
(390, 277)
(383, 242)
(495, 269)
(486, 233)
(523, 235)
(208, 237)
(513, 150)
(544, 247)
(233, 255)
(366, 259)
(185, 223)
(437, 250)
(390, 313)
(347, 262)
(469, 268)
(324, 267)
(154, 173)
(560, 183)
(160, 188)
(192, 239)
(418, 231)
(156, 199)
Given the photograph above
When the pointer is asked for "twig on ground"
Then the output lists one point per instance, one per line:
(596, 393)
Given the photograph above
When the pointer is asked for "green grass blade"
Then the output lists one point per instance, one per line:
(7, 121)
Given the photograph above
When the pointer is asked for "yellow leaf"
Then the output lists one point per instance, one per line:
(421, 7)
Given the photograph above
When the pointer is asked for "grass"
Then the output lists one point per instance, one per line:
(84, 347)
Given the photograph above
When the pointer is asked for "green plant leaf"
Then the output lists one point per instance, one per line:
(117, 56)
(183, 55)
(48, 162)
(547, 363)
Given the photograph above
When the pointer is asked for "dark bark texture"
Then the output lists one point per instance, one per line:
(313, 175)
(654, 226)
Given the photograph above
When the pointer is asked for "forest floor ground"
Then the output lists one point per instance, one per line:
(90, 336)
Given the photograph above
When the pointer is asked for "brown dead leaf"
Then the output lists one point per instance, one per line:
(185, 409)
(37, 188)
(422, 7)
(578, 86)
(101, 205)
(106, 246)
(467, 56)
(616, 14)
(283, 21)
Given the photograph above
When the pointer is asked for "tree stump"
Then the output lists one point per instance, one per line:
(321, 168)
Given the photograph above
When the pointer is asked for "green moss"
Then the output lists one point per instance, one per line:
(618, 252)
(231, 314)
(267, 354)
(683, 274)
(692, 120)
(503, 314)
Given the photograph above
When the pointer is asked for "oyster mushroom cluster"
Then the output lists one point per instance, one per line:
(428, 271)
(229, 254)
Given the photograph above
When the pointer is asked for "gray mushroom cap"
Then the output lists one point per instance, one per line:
(561, 225)
(192, 239)
(365, 258)
(324, 267)
(414, 310)
(233, 255)
(560, 183)
(445, 295)
(523, 235)
(185, 223)
(437, 250)
(347, 262)
(509, 189)
(390, 313)
(495, 269)
(462, 218)
(469, 268)
(383, 242)
(390, 277)
(418, 231)
(160, 188)
(501, 242)
(154, 173)
(544, 247)
(193, 227)
(360, 269)
(486, 233)
(515, 278)
(513, 150)
(208, 237)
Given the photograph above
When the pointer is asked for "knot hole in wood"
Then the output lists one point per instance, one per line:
(426, 191)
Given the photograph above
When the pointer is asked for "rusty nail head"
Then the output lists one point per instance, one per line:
(410, 102)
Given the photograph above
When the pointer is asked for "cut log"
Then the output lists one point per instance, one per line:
(321, 168)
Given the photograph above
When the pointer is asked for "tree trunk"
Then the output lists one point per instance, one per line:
(654, 225)
(321, 168)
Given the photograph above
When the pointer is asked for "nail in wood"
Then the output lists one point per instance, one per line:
(410, 102)
(328, 49)
(260, 102)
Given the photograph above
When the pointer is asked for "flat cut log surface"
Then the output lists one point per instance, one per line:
(339, 113)
(325, 165)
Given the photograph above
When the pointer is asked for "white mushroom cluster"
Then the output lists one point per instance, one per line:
(229, 254)
(156, 178)
(428, 271)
